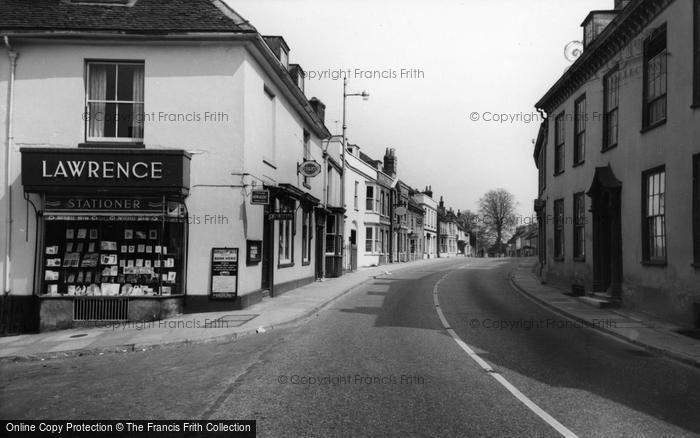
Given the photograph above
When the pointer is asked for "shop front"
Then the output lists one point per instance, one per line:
(111, 233)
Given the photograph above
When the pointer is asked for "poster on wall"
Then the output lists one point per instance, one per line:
(224, 272)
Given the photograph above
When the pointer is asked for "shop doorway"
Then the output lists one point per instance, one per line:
(267, 255)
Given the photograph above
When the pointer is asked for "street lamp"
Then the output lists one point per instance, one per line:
(365, 96)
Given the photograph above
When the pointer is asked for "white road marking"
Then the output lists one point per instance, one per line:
(563, 430)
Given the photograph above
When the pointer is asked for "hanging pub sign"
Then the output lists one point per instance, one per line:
(260, 197)
(309, 168)
(224, 272)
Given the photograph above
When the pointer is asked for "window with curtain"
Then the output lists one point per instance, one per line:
(611, 102)
(579, 226)
(370, 199)
(115, 101)
(306, 236)
(654, 212)
(655, 79)
(580, 130)
(559, 229)
(286, 234)
(559, 143)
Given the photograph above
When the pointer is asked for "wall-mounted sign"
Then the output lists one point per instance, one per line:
(260, 197)
(400, 211)
(59, 170)
(281, 216)
(116, 204)
(224, 272)
(253, 252)
(309, 168)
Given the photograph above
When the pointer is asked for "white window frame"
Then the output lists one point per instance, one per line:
(88, 101)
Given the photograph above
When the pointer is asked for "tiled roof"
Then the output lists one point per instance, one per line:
(143, 17)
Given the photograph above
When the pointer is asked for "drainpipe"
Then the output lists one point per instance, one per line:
(13, 55)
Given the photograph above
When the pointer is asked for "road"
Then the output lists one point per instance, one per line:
(379, 362)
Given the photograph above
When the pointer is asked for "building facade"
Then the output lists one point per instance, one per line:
(153, 168)
(429, 206)
(618, 157)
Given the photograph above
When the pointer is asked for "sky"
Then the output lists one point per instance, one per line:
(464, 64)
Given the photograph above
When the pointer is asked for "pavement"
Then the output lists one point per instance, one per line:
(291, 308)
(654, 335)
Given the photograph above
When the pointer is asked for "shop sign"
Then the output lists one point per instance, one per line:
(281, 216)
(61, 169)
(224, 272)
(309, 168)
(112, 204)
(260, 197)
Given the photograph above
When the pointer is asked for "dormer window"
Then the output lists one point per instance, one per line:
(284, 58)
(595, 23)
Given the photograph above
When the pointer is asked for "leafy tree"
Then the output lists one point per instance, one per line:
(497, 211)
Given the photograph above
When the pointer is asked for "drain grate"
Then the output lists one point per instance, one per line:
(229, 321)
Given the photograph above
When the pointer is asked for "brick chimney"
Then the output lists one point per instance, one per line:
(319, 107)
(429, 191)
(390, 162)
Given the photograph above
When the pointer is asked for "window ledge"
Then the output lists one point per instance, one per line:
(112, 144)
(657, 263)
(306, 263)
(580, 163)
(607, 148)
(558, 173)
(651, 127)
(579, 259)
(558, 259)
(285, 265)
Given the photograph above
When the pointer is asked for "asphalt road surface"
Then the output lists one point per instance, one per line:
(380, 362)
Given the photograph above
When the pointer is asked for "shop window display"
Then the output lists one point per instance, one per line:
(113, 258)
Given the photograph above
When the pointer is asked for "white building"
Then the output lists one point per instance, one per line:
(429, 205)
(137, 135)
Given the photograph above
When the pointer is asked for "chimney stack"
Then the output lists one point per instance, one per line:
(319, 107)
(429, 191)
(390, 162)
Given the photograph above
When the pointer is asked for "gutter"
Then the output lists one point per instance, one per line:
(13, 55)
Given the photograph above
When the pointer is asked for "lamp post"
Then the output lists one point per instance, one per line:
(365, 96)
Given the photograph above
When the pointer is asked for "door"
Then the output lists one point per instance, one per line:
(267, 253)
(605, 194)
(320, 241)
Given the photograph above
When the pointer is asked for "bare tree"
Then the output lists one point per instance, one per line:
(497, 210)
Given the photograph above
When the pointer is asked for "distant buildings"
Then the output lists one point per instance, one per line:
(619, 163)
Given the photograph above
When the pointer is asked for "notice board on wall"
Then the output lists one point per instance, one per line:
(224, 272)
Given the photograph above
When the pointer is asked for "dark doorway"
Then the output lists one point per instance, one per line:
(267, 253)
(353, 250)
(607, 233)
(320, 242)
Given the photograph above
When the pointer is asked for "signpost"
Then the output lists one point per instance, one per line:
(224, 272)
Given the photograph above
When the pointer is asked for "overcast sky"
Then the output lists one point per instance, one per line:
(497, 56)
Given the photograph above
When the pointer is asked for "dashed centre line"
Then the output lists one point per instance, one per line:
(563, 430)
